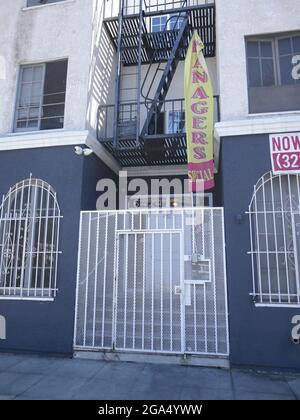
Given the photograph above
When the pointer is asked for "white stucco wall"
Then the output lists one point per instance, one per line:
(45, 33)
(176, 90)
(102, 67)
(235, 20)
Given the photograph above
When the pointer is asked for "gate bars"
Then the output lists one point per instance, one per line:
(152, 281)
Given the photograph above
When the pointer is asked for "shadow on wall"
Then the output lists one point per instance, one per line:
(101, 70)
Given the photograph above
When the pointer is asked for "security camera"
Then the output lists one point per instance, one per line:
(83, 152)
(296, 341)
(87, 152)
(78, 150)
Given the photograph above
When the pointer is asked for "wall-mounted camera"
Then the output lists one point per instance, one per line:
(79, 151)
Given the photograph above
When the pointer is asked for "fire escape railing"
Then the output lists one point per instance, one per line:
(132, 7)
(128, 114)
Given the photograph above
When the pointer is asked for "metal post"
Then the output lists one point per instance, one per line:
(118, 75)
(139, 75)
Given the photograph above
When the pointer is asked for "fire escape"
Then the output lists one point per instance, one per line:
(135, 130)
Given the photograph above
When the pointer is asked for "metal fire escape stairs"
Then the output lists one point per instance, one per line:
(154, 105)
(162, 55)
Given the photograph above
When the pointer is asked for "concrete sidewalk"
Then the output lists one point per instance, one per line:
(26, 377)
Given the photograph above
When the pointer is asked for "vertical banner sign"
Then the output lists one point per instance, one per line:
(199, 108)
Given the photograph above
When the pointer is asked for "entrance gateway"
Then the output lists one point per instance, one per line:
(152, 281)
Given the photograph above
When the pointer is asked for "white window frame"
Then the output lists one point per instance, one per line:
(161, 25)
(28, 248)
(275, 270)
(17, 107)
(276, 57)
(168, 118)
(168, 21)
(43, 65)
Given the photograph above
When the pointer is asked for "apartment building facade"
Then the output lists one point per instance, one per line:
(133, 280)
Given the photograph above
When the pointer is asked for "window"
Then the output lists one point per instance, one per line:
(163, 23)
(176, 22)
(176, 122)
(29, 236)
(275, 240)
(260, 63)
(41, 96)
(158, 24)
(31, 3)
(289, 57)
(274, 73)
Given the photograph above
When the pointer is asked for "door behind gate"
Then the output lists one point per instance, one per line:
(152, 281)
(148, 285)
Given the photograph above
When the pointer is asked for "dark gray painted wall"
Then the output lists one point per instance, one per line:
(93, 171)
(217, 191)
(35, 326)
(48, 326)
(258, 336)
(274, 99)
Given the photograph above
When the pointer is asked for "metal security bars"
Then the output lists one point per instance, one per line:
(274, 214)
(152, 281)
(132, 7)
(29, 236)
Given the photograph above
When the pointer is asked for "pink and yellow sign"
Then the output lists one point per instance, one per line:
(199, 108)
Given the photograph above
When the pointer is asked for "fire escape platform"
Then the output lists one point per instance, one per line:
(154, 149)
(201, 19)
(166, 149)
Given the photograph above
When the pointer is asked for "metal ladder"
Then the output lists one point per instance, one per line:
(155, 104)
(130, 128)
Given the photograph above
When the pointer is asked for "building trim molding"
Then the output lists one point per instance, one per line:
(57, 138)
(142, 171)
(35, 140)
(259, 125)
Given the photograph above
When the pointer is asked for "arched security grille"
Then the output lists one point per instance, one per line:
(275, 239)
(29, 236)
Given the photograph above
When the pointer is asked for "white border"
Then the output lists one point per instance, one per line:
(282, 171)
(263, 125)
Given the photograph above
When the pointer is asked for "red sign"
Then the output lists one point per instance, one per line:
(285, 153)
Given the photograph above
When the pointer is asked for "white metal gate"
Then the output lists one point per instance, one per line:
(152, 281)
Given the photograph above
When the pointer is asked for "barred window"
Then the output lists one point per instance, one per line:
(29, 238)
(275, 239)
